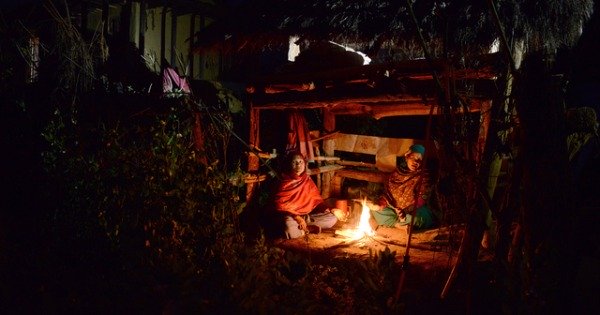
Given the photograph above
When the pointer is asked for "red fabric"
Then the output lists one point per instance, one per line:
(297, 194)
(198, 136)
(420, 202)
(299, 136)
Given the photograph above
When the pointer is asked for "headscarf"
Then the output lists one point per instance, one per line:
(417, 148)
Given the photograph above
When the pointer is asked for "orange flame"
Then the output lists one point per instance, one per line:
(364, 227)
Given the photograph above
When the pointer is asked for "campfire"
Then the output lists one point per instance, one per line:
(363, 228)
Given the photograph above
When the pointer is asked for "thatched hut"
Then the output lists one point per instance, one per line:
(434, 49)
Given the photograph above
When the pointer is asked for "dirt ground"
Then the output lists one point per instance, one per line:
(432, 255)
(430, 249)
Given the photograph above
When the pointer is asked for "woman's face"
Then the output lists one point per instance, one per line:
(298, 164)
(413, 161)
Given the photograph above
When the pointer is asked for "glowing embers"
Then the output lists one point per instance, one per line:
(363, 227)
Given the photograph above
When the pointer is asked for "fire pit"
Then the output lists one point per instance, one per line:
(363, 228)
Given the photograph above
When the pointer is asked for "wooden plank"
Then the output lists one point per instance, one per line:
(385, 149)
(370, 176)
(325, 136)
(324, 169)
(376, 107)
(264, 155)
(254, 178)
(356, 164)
(418, 69)
(327, 158)
(413, 67)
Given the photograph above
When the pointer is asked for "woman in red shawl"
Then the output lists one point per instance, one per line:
(297, 201)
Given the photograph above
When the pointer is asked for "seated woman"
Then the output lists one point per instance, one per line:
(406, 192)
(296, 203)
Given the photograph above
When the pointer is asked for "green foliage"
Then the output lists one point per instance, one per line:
(171, 222)
(141, 184)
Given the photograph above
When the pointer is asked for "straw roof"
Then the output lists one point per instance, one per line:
(458, 26)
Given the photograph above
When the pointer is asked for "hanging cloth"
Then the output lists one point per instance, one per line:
(299, 136)
(172, 81)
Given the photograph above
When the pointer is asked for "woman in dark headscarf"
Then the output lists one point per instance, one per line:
(406, 193)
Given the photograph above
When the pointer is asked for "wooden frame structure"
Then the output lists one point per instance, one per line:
(399, 89)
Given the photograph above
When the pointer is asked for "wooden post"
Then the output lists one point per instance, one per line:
(84, 17)
(202, 55)
(191, 48)
(174, 42)
(105, 14)
(253, 140)
(484, 124)
(163, 33)
(328, 148)
(142, 33)
(125, 26)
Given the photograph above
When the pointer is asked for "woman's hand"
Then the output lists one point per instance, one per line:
(301, 223)
(340, 214)
(374, 206)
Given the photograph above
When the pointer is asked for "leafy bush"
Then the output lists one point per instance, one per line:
(136, 196)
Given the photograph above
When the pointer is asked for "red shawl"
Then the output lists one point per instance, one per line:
(297, 194)
(299, 135)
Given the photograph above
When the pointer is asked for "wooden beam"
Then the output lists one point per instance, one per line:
(412, 67)
(370, 176)
(415, 110)
(357, 164)
(339, 103)
(415, 70)
(327, 158)
(376, 109)
(254, 178)
(474, 75)
(324, 169)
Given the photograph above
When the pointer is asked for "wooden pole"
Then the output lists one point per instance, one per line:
(174, 41)
(105, 14)
(484, 125)
(84, 17)
(406, 257)
(191, 47)
(142, 32)
(328, 148)
(125, 27)
(254, 141)
(163, 32)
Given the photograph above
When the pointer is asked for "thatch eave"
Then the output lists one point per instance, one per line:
(462, 26)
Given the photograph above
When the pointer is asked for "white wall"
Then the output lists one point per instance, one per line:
(206, 66)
